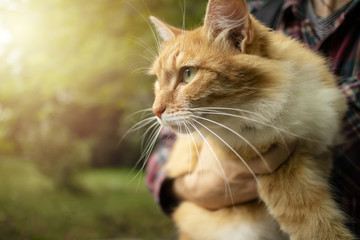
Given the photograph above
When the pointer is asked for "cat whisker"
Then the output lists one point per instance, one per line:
(143, 123)
(241, 137)
(154, 33)
(183, 13)
(145, 114)
(147, 152)
(232, 149)
(216, 109)
(145, 46)
(146, 133)
(179, 127)
(149, 115)
(153, 134)
(140, 111)
(146, 59)
(142, 70)
(226, 181)
(188, 134)
(145, 145)
(261, 123)
(199, 162)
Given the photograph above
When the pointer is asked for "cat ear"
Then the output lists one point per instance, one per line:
(165, 31)
(230, 19)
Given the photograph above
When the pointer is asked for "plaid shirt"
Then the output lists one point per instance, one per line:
(342, 47)
(155, 174)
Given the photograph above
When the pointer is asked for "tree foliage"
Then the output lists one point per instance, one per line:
(70, 73)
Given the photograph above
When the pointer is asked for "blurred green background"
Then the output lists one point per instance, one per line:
(71, 72)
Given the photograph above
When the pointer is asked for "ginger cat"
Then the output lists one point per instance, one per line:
(238, 88)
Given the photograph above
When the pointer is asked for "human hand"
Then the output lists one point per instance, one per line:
(207, 187)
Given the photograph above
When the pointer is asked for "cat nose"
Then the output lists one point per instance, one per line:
(158, 110)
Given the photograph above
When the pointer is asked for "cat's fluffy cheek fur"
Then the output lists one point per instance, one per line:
(311, 106)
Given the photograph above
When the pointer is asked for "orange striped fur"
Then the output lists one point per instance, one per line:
(283, 92)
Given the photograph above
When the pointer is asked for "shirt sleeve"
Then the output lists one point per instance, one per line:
(155, 172)
(255, 5)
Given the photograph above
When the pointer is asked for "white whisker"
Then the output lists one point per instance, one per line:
(210, 110)
(241, 137)
(238, 155)
(189, 144)
(147, 152)
(146, 132)
(226, 181)
(154, 33)
(261, 123)
(146, 47)
(140, 111)
(196, 148)
(215, 109)
(189, 134)
(136, 127)
(149, 141)
(142, 70)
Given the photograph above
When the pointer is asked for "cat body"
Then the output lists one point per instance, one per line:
(249, 221)
(270, 90)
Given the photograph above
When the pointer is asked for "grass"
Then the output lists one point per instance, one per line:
(111, 207)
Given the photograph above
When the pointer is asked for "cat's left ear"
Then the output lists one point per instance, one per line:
(229, 19)
(165, 31)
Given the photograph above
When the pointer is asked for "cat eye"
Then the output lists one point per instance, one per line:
(188, 74)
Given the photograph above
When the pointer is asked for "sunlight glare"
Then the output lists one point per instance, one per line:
(5, 35)
(5, 38)
(11, 4)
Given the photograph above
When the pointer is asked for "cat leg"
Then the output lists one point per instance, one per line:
(299, 198)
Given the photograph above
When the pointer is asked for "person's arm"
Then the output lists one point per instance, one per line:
(207, 188)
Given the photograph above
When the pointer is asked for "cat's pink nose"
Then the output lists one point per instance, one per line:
(159, 110)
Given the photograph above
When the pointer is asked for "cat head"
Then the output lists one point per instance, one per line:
(219, 66)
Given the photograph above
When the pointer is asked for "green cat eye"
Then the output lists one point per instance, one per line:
(188, 74)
